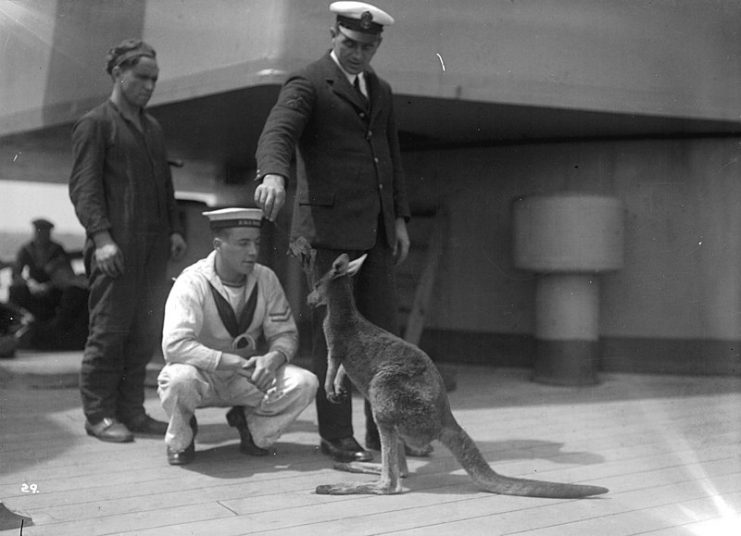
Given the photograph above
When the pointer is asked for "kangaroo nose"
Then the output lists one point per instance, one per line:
(313, 299)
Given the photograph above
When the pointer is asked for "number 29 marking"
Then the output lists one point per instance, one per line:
(29, 488)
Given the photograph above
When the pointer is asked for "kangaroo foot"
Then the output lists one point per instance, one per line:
(364, 468)
(359, 488)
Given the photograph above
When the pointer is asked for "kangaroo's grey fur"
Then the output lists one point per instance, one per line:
(407, 395)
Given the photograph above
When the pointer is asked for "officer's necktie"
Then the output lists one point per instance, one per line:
(356, 85)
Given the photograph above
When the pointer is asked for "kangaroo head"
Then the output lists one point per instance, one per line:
(341, 267)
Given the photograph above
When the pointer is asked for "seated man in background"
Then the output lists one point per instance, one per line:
(228, 339)
(32, 287)
(68, 328)
(52, 298)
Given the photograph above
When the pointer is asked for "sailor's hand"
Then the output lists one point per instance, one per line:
(238, 365)
(38, 289)
(232, 362)
(262, 371)
(270, 195)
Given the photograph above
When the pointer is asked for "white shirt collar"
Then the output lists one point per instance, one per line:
(350, 77)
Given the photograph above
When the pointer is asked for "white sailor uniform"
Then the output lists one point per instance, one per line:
(194, 337)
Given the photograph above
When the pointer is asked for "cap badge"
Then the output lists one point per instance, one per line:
(366, 20)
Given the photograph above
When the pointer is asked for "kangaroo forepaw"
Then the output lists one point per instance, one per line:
(337, 397)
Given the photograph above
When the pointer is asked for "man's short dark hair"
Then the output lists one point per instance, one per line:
(127, 54)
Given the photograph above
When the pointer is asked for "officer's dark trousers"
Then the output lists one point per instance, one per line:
(125, 327)
(375, 296)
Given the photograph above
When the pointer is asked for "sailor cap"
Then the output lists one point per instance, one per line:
(234, 217)
(42, 223)
(360, 21)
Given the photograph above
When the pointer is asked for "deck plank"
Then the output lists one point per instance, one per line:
(666, 446)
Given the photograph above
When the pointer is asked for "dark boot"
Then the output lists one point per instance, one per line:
(184, 457)
(235, 418)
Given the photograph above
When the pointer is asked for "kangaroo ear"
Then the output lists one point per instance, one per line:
(353, 267)
(339, 266)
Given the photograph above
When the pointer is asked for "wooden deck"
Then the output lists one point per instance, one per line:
(669, 449)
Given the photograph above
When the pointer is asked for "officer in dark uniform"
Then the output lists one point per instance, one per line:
(351, 195)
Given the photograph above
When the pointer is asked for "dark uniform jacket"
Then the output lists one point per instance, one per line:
(348, 164)
(120, 180)
(40, 263)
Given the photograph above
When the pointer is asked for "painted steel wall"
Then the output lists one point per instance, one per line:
(661, 57)
(682, 273)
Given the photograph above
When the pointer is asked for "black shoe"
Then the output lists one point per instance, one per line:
(184, 457)
(374, 443)
(345, 450)
(109, 430)
(235, 418)
(146, 425)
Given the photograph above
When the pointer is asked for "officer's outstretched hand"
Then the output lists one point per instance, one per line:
(270, 195)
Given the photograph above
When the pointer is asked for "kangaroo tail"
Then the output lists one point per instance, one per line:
(469, 456)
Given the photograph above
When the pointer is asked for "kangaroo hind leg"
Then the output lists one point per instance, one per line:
(371, 468)
(390, 469)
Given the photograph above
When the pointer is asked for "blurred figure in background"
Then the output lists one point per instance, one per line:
(34, 287)
(47, 307)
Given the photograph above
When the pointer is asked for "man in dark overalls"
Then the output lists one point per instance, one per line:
(123, 195)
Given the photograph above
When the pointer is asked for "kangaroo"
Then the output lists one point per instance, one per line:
(407, 396)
